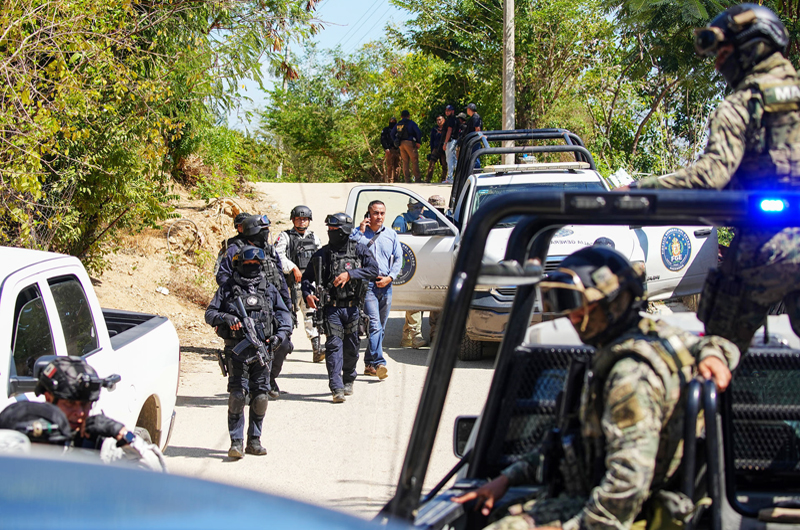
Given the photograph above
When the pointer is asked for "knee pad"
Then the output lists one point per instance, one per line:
(236, 401)
(259, 404)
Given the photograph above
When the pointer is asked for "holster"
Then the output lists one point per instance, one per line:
(223, 366)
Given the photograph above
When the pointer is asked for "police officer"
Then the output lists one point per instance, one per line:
(631, 406)
(408, 138)
(402, 223)
(753, 144)
(248, 370)
(255, 232)
(437, 153)
(74, 387)
(474, 124)
(347, 266)
(391, 154)
(295, 248)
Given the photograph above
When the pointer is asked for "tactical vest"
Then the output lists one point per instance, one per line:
(344, 260)
(300, 249)
(401, 133)
(771, 158)
(257, 305)
(271, 270)
(665, 352)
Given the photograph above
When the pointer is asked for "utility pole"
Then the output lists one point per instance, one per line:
(509, 82)
(285, 86)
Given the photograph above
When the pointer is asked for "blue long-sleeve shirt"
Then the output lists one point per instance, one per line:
(386, 249)
(414, 134)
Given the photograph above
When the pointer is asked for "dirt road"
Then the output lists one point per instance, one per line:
(343, 456)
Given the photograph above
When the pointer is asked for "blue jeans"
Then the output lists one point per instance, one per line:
(377, 304)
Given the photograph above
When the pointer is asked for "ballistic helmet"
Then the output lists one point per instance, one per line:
(597, 274)
(71, 378)
(255, 224)
(301, 211)
(755, 31)
(248, 253)
(40, 422)
(239, 219)
(340, 220)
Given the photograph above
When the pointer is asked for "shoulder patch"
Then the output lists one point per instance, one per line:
(781, 97)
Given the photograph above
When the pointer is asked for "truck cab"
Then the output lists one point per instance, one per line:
(743, 470)
(677, 257)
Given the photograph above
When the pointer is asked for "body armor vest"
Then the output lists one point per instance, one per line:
(257, 305)
(771, 158)
(271, 270)
(301, 248)
(663, 350)
(344, 260)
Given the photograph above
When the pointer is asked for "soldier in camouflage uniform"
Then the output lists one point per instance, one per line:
(753, 144)
(631, 406)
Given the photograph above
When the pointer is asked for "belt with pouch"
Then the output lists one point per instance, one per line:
(344, 303)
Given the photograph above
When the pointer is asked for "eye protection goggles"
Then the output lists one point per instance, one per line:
(263, 221)
(708, 40)
(252, 253)
(562, 292)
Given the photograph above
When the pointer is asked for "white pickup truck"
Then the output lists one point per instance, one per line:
(48, 307)
(677, 258)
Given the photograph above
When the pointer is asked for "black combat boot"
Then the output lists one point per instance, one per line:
(236, 450)
(254, 447)
(318, 350)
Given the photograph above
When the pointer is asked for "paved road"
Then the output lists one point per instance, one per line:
(343, 456)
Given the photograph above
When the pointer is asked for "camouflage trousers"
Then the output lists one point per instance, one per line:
(540, 512)
(735, 302)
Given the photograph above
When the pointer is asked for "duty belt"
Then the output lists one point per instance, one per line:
(344, 303)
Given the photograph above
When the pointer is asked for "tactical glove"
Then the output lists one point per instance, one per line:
(230, 320)
(274, 341)
(103, 426)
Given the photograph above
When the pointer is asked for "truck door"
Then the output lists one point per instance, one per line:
(678, 258)
(427, 260)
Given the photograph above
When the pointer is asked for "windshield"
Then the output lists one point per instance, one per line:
(485, 194)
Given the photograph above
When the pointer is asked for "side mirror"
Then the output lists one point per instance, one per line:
(429, 227)
(461, 432)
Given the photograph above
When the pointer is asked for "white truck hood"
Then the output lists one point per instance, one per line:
(568, 240)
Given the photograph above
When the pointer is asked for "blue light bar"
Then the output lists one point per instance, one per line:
(773, 205)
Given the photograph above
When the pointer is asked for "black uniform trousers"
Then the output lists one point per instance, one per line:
(341, 353)
(250, 378)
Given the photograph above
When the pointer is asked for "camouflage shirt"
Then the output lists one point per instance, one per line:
(636, 425)
(754, 136)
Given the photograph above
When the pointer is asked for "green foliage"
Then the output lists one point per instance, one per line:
(102, 100)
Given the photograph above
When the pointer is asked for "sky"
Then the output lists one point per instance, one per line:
(347, 23)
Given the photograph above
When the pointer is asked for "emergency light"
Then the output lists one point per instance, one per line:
(772, 205)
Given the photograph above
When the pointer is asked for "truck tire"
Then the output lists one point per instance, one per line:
(143, 433)
(471, 350)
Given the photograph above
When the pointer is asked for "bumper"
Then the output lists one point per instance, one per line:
(489, 312)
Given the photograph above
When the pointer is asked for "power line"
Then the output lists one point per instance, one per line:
(380, 19)
(357, 21)
(362, 24)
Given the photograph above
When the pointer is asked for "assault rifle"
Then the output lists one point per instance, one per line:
(561, 463)
(323, 297)
(253, 336)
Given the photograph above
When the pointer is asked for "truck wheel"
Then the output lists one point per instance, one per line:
(471, 350)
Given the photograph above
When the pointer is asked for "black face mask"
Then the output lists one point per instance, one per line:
(260, 239)
(249, 270)
(337, 238)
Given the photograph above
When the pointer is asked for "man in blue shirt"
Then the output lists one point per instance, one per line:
(407, 136)
(378, 302)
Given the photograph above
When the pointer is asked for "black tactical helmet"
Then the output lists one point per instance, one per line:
(255, 224)
(595, 274)
(239, 219)
(71, 378)
(341, 220)
(40, 422)
(301, 211)
(755, 31)
(247, 253)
